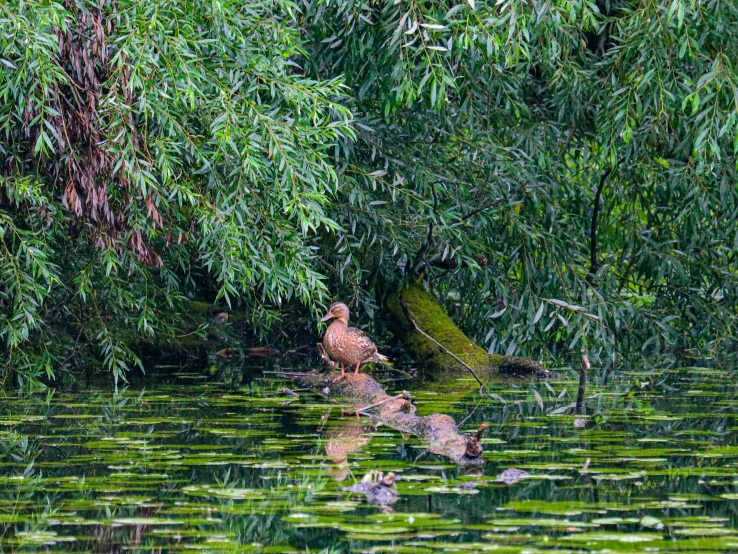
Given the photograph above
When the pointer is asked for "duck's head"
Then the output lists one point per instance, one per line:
(387, 480)
(339, 310)
(473, 448)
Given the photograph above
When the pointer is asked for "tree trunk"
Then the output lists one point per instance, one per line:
(431, 318)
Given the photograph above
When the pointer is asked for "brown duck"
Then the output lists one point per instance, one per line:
(348, 345)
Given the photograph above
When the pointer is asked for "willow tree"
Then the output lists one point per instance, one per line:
(150, 149)
(557, 172)
(561, 172)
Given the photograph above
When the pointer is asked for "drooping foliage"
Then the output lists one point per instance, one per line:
(561, 172)
(151, 149)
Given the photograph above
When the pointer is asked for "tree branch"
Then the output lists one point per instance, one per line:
(421, 251)
(498, 201)
(569, 136)
(594, 266)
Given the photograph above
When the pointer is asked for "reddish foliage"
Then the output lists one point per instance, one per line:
(98, 187)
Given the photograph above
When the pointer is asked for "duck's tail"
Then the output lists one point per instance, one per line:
(381, 358)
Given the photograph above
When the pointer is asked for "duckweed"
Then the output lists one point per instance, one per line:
(192, 465)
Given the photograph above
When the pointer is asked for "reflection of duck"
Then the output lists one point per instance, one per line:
(341, 441)
(348, 345)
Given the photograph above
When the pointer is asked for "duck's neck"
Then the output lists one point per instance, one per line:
(339, 324)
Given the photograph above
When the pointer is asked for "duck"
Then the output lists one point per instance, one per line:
(348, 346)
(378, 487)
(220, 318)
(473, 444)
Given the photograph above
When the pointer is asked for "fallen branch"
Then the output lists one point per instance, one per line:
(403, 394)
(438, 431)
(434, 321)
(409, 317)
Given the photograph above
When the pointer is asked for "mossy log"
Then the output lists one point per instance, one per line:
(432, 319)
(437, 431)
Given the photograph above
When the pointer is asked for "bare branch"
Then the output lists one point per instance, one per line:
(498, 201)
(594, 265)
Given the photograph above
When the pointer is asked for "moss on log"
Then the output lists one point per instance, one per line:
(437, 431)
(432, 319)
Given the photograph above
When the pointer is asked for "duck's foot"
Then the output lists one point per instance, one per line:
(343, 374)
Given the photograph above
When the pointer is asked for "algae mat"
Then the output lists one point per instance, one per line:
(195, 465)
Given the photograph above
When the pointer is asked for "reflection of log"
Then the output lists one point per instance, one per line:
(438, 431)
(433, 320)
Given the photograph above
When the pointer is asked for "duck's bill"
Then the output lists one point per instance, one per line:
(326, 317)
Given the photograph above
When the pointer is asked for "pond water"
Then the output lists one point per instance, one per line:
(190, 464)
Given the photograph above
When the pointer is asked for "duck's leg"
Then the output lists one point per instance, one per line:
(343, 373)
(356, 371)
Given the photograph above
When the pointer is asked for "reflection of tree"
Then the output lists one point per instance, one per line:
(649, 438)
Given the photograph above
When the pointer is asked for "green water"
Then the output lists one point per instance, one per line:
(190, 464)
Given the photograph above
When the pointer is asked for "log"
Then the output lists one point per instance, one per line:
(430, 317)
(437, 431)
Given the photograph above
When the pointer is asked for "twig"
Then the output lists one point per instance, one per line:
(498, 201)
(568, 139)
(297, 349)
(391, 369)
(289, 374)
(594, 266)
(429, 240)
(323, 421)
(404, 395)
(74, 348)
(423, 453)
(406, 311)
(470, 414)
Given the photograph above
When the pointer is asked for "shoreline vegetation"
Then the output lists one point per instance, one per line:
(528, 180)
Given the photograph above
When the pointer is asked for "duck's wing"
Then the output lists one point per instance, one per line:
(361, 343)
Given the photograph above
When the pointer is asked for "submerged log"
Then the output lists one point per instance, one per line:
(437, 431)
(431, 318)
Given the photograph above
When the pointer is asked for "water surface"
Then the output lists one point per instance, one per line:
(191, 464)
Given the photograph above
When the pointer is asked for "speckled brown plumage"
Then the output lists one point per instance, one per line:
(342, 440)
(348, 345)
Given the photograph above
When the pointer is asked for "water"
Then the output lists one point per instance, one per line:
(193, 465)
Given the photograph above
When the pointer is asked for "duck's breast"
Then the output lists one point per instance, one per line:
(348, 345)
(335, 343)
